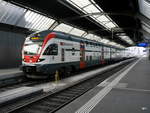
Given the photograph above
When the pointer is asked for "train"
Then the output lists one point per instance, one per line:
(46, 52)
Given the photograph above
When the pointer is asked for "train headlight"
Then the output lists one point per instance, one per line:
(39, 60)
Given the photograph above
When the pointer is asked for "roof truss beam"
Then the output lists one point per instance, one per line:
(100, 14)
(143, 18)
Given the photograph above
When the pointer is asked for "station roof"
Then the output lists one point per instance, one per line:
(115, 20)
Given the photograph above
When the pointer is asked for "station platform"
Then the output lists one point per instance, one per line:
(127, 91)
(56, 86)
(10, 76)
(10, 73)
(52, 86)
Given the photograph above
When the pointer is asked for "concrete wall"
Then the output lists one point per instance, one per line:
(10, 49)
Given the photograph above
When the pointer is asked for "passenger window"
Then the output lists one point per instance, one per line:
(87, 58)
(51, 50)
(73, 51)
(90, 58)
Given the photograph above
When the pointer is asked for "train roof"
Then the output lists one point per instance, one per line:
(79, 39)
(72, 37)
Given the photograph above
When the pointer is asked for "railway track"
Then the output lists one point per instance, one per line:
(51, 102)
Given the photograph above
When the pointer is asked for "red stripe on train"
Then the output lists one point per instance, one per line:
(48, 37)
(82, 65)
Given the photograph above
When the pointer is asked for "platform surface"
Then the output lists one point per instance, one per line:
(9, 71)
(14, 94)
(127, 91)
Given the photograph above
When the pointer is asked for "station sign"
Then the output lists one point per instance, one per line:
(142, 44)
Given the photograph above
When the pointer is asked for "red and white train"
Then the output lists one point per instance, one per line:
(47, 51)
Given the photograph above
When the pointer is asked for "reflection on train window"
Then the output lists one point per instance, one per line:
(51, 50)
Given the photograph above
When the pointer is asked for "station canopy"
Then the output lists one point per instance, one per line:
(105, 21)
(144, 7)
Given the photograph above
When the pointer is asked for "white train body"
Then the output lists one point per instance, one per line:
(48, 51)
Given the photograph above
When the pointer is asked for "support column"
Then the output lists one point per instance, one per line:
(54, 25)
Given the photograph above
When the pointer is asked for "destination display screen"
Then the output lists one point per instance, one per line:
(143, 44)
(36, 38)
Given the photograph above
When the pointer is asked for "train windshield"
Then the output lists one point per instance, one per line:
(33, 43)
(32, 46)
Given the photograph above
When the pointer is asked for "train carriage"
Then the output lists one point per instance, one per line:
(47, 51)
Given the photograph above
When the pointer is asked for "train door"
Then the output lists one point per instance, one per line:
(102, 55)
(62, 55)
(82, 56)
(110, 53)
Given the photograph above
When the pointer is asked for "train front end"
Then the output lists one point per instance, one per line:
(33, 60)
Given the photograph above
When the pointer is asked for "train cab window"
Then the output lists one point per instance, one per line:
(51, 50)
